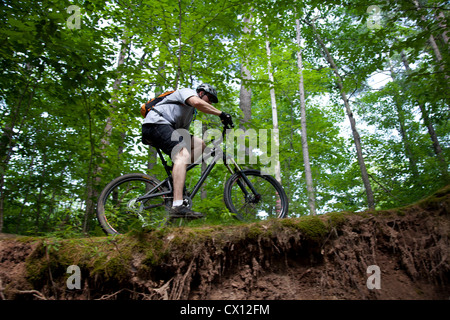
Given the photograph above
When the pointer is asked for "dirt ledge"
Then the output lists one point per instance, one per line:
(323, 257)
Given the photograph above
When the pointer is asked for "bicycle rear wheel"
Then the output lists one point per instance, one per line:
(270, 201)
(127, 203)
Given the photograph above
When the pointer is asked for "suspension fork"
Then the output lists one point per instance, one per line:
(238, 170)
(246, 181)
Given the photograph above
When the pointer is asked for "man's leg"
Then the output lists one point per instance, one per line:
(197, 148)
(179, 173)
(162, 137)
(180, 163)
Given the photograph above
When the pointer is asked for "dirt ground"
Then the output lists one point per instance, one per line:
(288, 260)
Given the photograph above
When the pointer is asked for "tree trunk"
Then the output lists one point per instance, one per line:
(433, 44)
(178, 74)
(245, 94)
(426, 119)
(41, 191)
(104, 143)
(152, 157)
(402, 130)
(6, 140)
(276, 138)
(440, 18)
(308, 174)
(356, 137)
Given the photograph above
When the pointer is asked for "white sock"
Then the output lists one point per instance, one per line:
(177, 203)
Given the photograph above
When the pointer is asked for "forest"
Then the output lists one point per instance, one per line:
(355, 92)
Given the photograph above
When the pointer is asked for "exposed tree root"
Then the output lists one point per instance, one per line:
(324, 257)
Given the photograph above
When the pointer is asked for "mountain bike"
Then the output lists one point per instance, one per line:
(137, 199)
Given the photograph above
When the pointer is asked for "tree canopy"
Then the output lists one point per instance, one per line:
(74, 74)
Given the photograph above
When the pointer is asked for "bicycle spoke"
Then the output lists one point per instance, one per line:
(266, 203)
(123, 205)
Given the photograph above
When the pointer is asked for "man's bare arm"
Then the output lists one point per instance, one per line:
(202, 105)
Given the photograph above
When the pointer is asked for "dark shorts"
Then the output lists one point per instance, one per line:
(165, 137)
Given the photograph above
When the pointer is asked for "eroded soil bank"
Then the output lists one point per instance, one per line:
(324, 257)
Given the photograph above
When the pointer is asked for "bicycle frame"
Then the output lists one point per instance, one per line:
(216, 156)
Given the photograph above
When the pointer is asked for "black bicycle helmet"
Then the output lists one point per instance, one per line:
(208, 89)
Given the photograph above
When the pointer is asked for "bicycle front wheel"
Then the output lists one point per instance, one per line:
(264, 198)
(130, 201)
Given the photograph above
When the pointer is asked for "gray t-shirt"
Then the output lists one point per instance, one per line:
(180, 115)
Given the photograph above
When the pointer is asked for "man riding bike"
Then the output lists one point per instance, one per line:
(176, 111)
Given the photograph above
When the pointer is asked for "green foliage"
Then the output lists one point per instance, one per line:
(69, 106)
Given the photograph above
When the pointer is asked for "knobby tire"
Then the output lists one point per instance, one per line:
(272, 203)
(118, 211)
